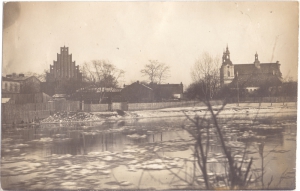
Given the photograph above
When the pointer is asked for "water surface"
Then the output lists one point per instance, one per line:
(139, 154)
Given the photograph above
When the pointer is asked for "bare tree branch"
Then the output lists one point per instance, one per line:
(101, 75)
(156, 72)
(205, 73)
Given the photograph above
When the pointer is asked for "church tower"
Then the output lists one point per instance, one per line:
(227, 68)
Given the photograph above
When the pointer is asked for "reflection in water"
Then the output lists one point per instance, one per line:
(153, 148)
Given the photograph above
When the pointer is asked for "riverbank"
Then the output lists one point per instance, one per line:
(243, 111)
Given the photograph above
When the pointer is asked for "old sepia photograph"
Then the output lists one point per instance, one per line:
(188, 95)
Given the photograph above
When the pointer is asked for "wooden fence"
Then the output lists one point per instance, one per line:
(120, 106)
(21, 116)
(262, 99)
(64, 105)
(95, 107)
(18, 113)
(105, 107)
(28, 98)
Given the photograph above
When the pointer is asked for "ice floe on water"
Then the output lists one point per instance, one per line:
(44, 140)
(137, 136)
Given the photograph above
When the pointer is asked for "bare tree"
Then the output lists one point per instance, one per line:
(205, 72)
(102, 76)
(40, 76)
(156, 72)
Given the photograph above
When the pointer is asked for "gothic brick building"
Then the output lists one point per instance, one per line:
(64, 68)
(64, 76)
(249, 77)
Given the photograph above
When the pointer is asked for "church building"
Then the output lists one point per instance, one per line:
(64, 68)
(249, 77)
(64, 77)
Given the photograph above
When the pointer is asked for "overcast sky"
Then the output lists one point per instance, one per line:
(130, 33)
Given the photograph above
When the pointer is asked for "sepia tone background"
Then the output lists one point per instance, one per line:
(128, 35)
(131, 33)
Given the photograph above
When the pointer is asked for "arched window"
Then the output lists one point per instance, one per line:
(228, 73)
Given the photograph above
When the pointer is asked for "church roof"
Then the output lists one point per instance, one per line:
(265, 68)
(17, 78)
(250, 76)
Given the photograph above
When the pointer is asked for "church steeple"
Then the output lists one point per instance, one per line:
(227, 68)
(256, 61)
(256, 56)
(226, 57)
(227, 51)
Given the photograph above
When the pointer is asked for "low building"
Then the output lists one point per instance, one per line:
(10, 86)
(58, 97)
(21, 84)
(138, 92)
(167, 92)
(92, 95)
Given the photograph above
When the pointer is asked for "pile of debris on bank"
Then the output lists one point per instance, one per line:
(61, 117)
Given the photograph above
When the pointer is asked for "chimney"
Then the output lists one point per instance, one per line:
(8, 75)
(21, 75)
(137, 82)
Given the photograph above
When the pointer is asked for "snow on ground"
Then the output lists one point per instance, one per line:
(243, 110)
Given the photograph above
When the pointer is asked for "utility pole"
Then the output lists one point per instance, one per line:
(237, 87)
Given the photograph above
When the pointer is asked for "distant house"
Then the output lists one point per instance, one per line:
(92, 95)
(138, 92)
(10, 86)
(249, 77)
(57, 97)
(23, 89)
(165, 92)
(21, 84)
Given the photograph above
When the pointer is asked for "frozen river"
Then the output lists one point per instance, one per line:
(153, 153)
